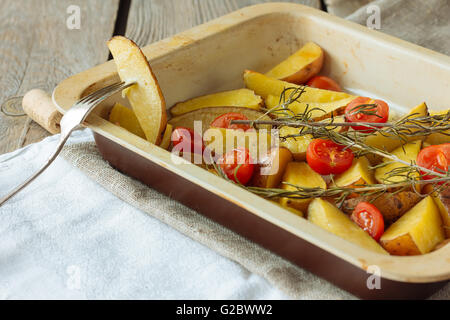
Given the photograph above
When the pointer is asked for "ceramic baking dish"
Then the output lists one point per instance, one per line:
(212, 57)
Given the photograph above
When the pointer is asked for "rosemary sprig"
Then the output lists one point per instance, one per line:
(411, 125)
(351, 139)
(410, 181)
(324, 123)
(369, 109)
(342, 193)
(288, 96)
(408, 126)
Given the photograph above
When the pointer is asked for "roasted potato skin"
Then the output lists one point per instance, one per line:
(418, 231)
(391, 206)
(401, 246)
(306, 73)
(308, 62)
(146, 96)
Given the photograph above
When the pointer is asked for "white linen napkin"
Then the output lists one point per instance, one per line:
(65, 237)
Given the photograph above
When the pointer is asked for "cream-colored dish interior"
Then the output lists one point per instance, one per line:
(212, 58)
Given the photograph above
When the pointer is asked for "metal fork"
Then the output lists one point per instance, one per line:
(72, 120)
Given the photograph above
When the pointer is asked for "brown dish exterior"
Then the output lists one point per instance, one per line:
(256, 37)
(264, 233)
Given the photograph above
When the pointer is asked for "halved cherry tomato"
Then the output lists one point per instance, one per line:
(325, 83)
(224, 120)
(237, 165)
(359, 110)
(327, 157)
(369, 218)
(435, 158)
(186, 140)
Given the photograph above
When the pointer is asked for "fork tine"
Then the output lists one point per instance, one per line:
(106, 92)
(98, 93)
(112, 89)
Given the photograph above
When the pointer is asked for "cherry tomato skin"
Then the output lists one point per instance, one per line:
(369, 218)
(223, 121)
(352, 115)
(325, 83)
(436, 158)
(185, 139)
(237, 164)
(327, 157)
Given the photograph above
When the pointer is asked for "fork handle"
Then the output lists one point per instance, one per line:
(55, 153)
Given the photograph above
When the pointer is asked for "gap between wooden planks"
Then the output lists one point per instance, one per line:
(37, 50)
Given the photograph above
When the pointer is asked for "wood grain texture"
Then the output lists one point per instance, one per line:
(153, 20)
(343, 8)
(37, 50)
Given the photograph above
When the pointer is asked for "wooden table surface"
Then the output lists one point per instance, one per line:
(38, 50)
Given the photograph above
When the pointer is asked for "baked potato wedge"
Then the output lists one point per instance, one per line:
(300, 174)
(442, 244)
(145, 96)
(294, 211)
(330, 102)
(417, 232)
(318, 110)
(300, 66)
(166, 139)
(207, 115)
(125, 118)
(438, 138)
(442, 200)
(299, 144)
(235, 98)
(296, 145)
(391, 206)
(358, 174)
(330, 218)
(408, 152)
(388, 142)
(271, 168)
(265, 86)
(221, 140)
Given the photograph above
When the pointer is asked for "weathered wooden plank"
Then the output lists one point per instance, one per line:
(38, 50)
(343, 8)
(153, 20)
